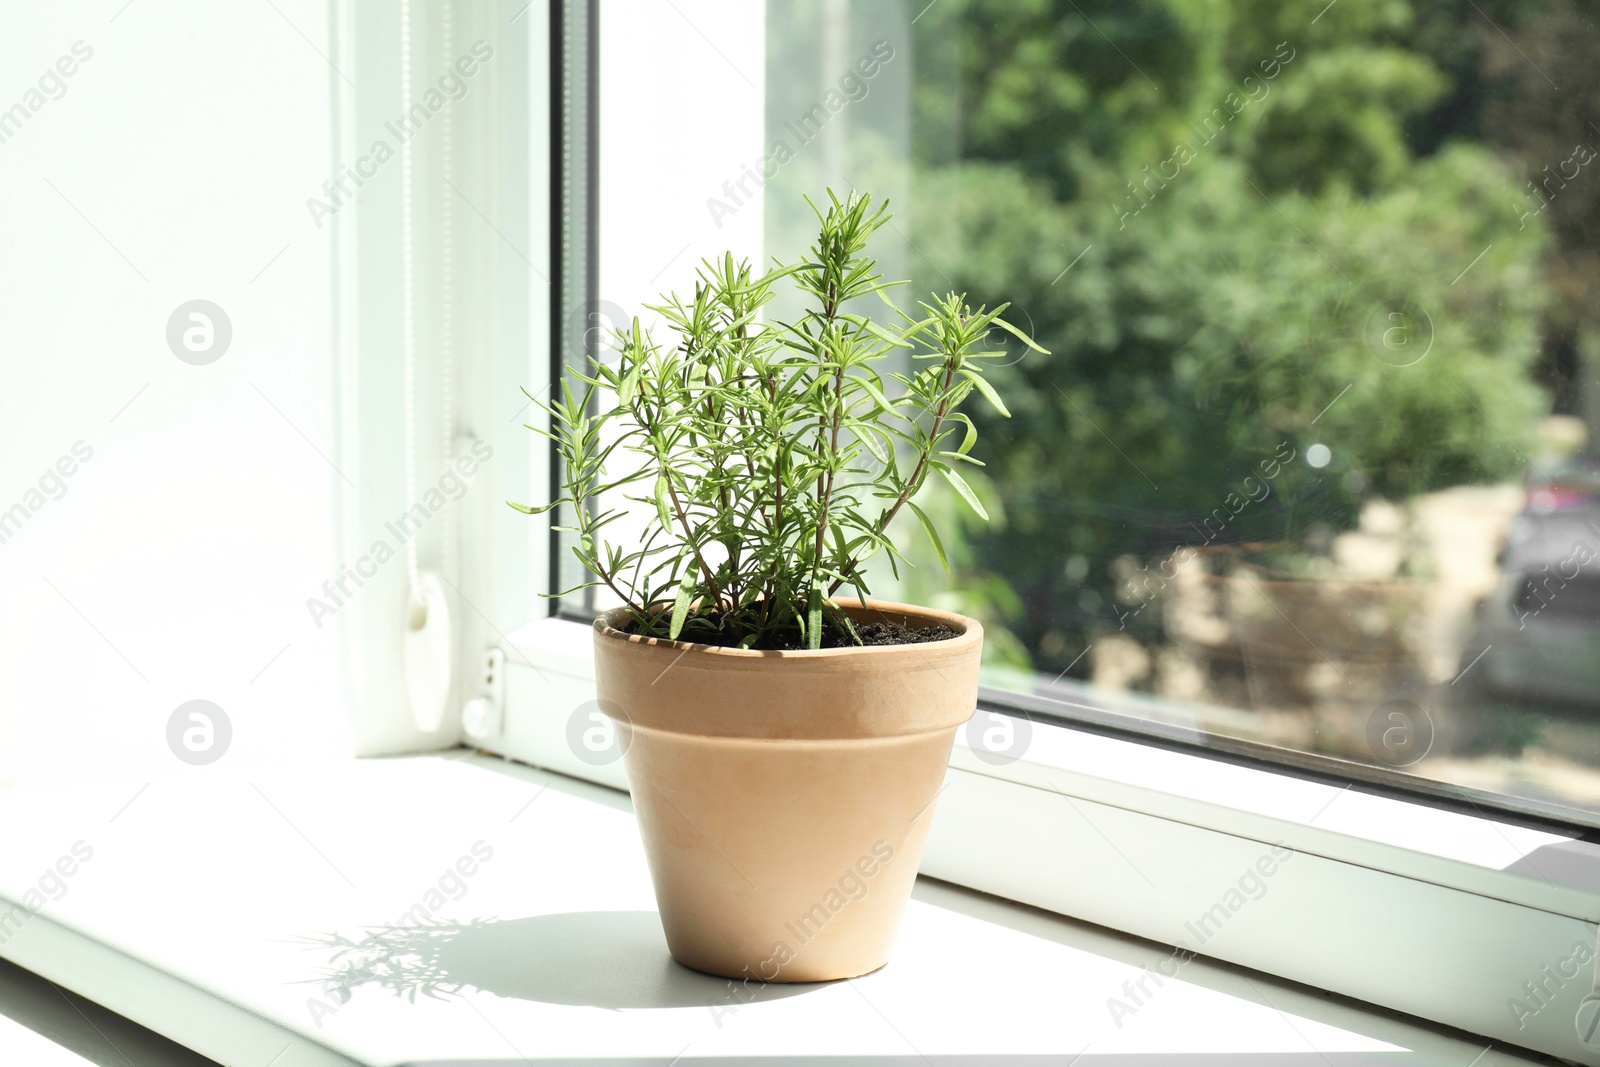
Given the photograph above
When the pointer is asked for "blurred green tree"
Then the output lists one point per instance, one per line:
(1223, 217)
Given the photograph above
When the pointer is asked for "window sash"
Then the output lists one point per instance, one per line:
(1431, 901)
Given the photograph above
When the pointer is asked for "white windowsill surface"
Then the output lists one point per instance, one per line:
(198, 913)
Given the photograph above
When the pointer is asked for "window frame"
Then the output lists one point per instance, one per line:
(1418, 864)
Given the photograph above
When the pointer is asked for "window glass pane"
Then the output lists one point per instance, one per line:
(652, 210)
(1312, 460)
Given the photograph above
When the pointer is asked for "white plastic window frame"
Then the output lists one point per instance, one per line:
(484, 299)
(1467, 920)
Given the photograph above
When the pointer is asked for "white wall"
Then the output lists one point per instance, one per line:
(188, 543)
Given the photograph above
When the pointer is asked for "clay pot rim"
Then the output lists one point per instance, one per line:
(969, 633)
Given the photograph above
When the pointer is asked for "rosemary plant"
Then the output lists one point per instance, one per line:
(771, 457)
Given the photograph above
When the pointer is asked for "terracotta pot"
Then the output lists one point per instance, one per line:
(784, 797)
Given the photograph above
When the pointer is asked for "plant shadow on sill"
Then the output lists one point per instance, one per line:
(602, 959)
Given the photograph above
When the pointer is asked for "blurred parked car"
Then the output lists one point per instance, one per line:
(1542, 623)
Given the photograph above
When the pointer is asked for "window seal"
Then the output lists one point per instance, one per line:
(574, 228)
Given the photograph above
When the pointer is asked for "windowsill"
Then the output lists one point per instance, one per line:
(193, 917)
